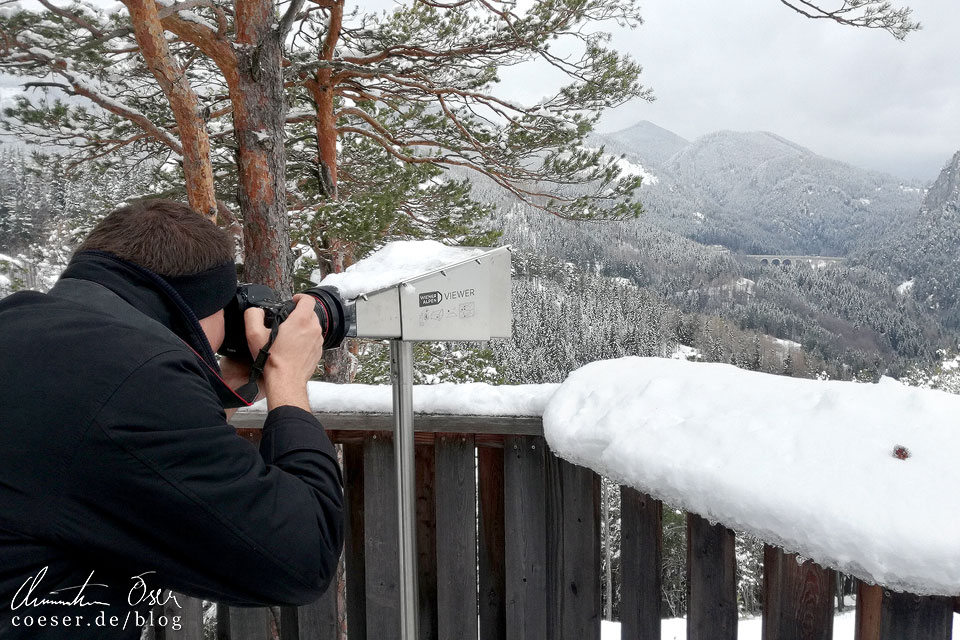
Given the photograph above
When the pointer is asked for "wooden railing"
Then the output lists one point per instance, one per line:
(508, 537)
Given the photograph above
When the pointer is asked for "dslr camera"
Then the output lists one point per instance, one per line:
(336, 317)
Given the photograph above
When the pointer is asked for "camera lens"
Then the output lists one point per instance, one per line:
(333, 315)
(336, 318)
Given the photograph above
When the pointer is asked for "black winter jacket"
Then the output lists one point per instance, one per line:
(116, 461)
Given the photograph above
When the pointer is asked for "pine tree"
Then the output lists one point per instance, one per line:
(388, 112)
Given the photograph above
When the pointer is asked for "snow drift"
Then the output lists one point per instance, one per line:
(858, 477)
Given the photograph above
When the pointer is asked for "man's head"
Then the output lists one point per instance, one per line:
(164, 236)
(172, 240)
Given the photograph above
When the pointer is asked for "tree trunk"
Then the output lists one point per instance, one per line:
(197, 167)
(259, 112)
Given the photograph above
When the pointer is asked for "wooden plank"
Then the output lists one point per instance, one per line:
(491, 548)
(913, 617)
(797, 598)
(426, 516)
(315, 621)
(580, 605)
(456, 524)
(243, 623)
(420, 438)
(353, 548)
(381, 552)
(553, 503)
(869, 611)
(431, 423)
(711, 581)
(525, 529)
(641, 551)
(888, 615)
(180, 611)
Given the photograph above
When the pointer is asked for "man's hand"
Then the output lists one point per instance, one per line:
(293, 356)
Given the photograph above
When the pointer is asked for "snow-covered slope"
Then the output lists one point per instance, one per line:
(925, 247)
(859, 477)
(756, 192)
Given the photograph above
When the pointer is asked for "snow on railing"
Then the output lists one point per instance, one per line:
(509, 534)
(853, 476)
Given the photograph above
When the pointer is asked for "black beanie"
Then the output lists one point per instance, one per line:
(208, 291)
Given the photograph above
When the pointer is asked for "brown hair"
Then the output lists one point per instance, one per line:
(164, 236)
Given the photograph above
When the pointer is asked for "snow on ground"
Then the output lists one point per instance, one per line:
(804, 464)
(740, 285)
(394, 263)
(749, 628)
(745, 285)
(788, 344)
(905, 287)
(474, 398)
(684, 352)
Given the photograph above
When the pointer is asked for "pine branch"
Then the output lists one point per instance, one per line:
(870, 14)
(72, 17)
(79, 86)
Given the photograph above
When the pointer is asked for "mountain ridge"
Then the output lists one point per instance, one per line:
(758, 192)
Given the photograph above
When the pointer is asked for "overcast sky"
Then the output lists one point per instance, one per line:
(856, 95)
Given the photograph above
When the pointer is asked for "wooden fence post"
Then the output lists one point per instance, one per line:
(426, 515)
(381, 552)
(887, 615)
(525, 521)
(189, 615)
(353, 551)
(456, 527)
(315, 621)
(797, 598)
(711, 581)
(243, 623)
(491, 552)
(580, 608)
(641, 549)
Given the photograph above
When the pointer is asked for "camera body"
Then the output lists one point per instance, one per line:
(335, 316)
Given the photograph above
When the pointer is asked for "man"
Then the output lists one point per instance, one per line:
(119, 475)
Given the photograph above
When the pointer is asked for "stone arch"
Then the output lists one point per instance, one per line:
(786, 262)
(776, 262)
(764, 262)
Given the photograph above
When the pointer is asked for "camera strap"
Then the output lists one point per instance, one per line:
(250, 390)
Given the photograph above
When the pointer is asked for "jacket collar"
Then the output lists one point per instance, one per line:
(148, 293)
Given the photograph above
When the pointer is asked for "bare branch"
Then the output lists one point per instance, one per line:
(870, 14)
(286, 22)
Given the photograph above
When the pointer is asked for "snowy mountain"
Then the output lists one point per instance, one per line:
(756, 192)
(925, 247)
(646, 142)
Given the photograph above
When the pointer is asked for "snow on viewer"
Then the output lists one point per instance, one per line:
(394, 263)
(803, 464)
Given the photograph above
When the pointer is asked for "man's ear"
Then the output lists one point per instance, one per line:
(213, 327)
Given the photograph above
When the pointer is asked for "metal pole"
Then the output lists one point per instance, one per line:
(401, 368)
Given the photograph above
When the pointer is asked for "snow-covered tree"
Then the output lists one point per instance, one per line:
(380, 105)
